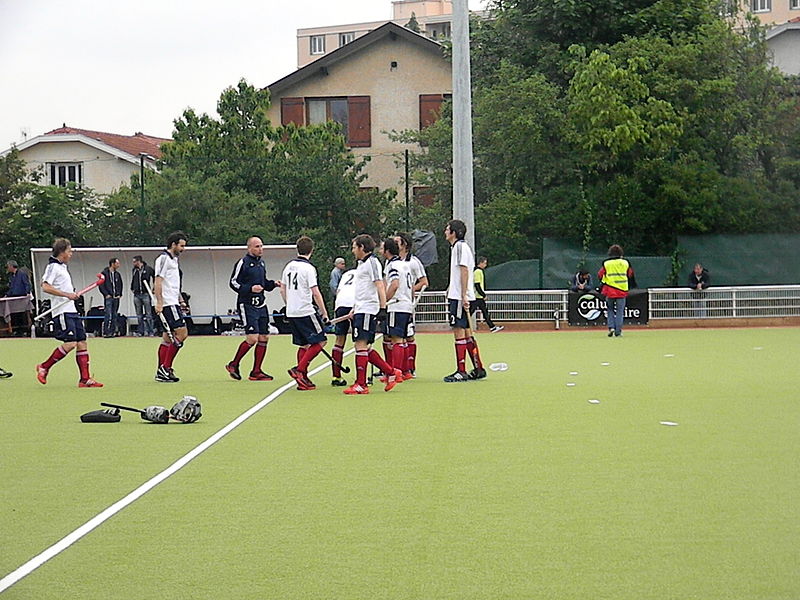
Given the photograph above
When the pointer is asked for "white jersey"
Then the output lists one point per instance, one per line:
(57, 275)
(461, 256)
(367, 273)
(399, 270)
(346, 292)
(298, 279)
(168, 268)
(416, 267)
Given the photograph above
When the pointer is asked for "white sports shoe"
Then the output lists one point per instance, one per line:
(497, 328)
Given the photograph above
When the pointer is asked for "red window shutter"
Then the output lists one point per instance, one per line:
(293, 110)
(359, 127)
(429, 107)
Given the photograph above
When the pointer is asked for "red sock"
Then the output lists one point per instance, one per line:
(82, 358)
(474, 354)
(56, 356)
(162, 352)
(461, 355)
(169, 355)
(411, 356)
(338, 356)
(243, 349)
(300, 352)
(260, 353)
(362, 360)
(376, 360)
(398, 356)
(388, 348)
(309, 355)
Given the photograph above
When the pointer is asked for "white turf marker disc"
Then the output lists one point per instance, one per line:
(594, 401)
(669, 355)
(669, 423)
(498, 367)
(570, 384)
(605, 364)
(758, 348)
(573, 372)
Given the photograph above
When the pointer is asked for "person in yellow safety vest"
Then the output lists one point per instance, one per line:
(617, 277)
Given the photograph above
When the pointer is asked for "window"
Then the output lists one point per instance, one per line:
(346, 38)
(438, 30)
(423, 196)
(64, 173)
(794, 4)
(317, 44)
(760, 5)
(430, 106)
(352, 112)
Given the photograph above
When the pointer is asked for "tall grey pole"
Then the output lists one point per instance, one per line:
(463, 203)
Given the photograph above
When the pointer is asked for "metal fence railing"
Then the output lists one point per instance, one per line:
(664, 303)
(725, 302)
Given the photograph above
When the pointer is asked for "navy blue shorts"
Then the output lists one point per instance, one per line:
(400, 324)
(68, 327)
(364, 326)
(456, 315)
(306, 330)
(174, 316)
(342, 327)
(256, 320)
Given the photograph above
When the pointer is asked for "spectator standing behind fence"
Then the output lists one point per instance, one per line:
(336, 276)
(581, 282)
(479, 281)
(111, 289)
(617, 277)
(142, 272)
(18, 282)
(699, 278)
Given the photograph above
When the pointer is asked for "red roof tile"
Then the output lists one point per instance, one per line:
(132, 144)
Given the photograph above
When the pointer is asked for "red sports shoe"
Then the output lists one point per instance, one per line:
(394, 380)
(89, 383)
(260, 376)
(303, 382)
(356, 389)
(41, 374)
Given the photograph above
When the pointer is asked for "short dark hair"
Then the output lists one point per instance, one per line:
(175, 237)
(305, 245)
(60, 246)
(615, 251)
(365, 241)
(139, 258)
(390, 245)
(481, 259)
(458, 227)
(406, 238)
(111, 261)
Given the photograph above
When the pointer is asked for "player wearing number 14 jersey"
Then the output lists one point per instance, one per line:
(300, 291)
(249, 281)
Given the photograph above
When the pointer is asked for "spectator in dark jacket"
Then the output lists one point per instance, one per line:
(18, 283)
(111, 289)
(581, 281)
(143, 273)
(699, 278)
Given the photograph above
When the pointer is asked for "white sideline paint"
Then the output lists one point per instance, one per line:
(65, 542)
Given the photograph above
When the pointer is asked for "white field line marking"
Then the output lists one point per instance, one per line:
(65, 542)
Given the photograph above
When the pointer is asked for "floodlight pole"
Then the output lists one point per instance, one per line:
(142, 156)
(463, 191)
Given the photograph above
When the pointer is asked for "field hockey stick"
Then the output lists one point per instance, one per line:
(161, 316)
(419, 295)
(336, 362)
(340, 319)
(100, 279)
(154, 414)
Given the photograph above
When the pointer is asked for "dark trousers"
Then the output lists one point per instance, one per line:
(480, 304)
(110, 316)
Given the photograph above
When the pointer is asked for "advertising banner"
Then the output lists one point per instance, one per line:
(590, 308)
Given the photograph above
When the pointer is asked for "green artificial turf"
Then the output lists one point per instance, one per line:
(512, 487)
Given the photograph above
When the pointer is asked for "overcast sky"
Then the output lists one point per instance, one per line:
(124, 66)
